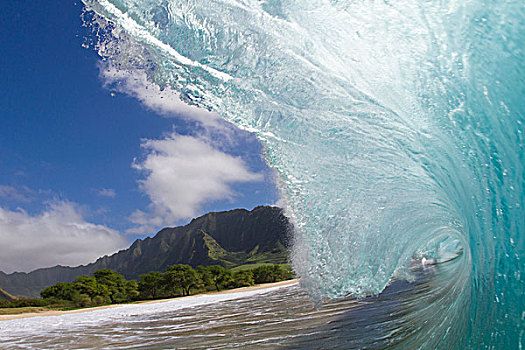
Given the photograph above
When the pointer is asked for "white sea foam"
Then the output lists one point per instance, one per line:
(128, 312)
(133, 27)
(352, 101)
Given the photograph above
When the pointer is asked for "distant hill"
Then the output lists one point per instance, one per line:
(230, 239)
(5, 296)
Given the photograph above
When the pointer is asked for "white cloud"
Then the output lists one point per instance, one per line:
(165, 102)
(13, 194)
(106, 192)
(59, 235)
(182, 173)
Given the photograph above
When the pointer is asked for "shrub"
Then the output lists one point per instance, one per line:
(23, 303)
(81, 300)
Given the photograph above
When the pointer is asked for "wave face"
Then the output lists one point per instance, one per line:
(396, 129)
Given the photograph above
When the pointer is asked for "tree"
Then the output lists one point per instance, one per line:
(243, 278)
(132, 289)
(81, 300)
(205, 279)
(99, 300)
(127, 292)
(89, 286)
(60, 291)
(114, 283)
(220, 276)
(270, 273)
(151, 285)
(181, 276)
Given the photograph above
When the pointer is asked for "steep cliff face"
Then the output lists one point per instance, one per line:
(229, 239)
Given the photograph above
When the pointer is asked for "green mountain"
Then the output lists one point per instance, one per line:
(230, 239)
(5, 296)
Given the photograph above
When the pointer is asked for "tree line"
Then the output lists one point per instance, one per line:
(109, 287)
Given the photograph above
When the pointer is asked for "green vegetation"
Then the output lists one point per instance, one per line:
(230, 239)
(6, 296)
(182, 280)
(104, 287)
(20, 306)
(108, 287)
(21, 303)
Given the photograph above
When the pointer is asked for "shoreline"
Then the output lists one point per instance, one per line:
(47, 313)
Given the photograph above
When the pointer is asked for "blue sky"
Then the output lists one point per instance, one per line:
(92, 158)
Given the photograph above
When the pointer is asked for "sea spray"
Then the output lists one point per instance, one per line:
(396, 130)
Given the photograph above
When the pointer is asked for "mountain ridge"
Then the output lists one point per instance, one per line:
(230, 238)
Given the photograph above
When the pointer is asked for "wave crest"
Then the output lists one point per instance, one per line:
(396, 130)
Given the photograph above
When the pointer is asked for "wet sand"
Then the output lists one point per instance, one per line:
(58, 312)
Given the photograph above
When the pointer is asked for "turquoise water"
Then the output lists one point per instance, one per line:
(396, 129)
(280, 317)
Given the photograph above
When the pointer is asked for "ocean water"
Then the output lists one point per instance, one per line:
(395, 127)
(282, 317)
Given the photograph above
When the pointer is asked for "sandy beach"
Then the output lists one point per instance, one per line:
(226, 291)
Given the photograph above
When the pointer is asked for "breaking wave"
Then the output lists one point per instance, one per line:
(396, 129)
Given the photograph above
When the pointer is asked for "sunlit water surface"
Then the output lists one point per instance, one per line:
(396, 129)
(279, 317)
